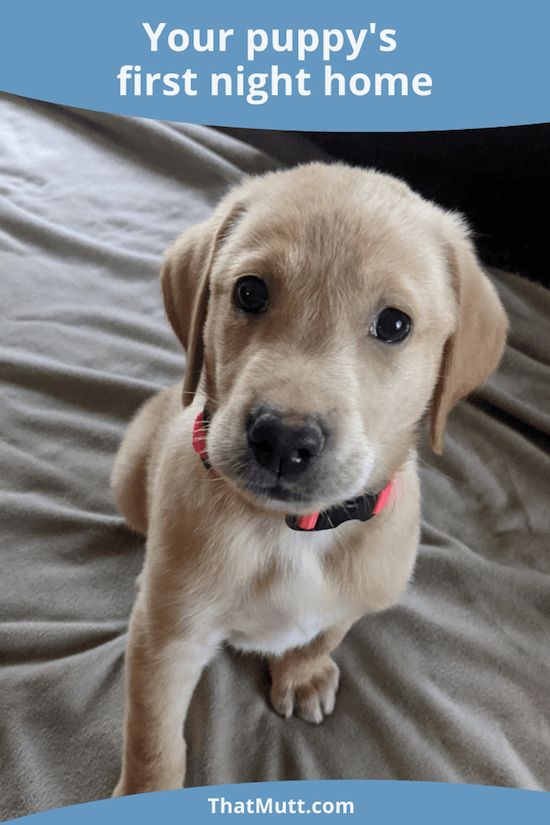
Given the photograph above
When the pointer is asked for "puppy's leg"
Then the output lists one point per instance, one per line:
(305, 680)
(161, 674)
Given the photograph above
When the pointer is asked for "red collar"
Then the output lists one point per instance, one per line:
(362, 508)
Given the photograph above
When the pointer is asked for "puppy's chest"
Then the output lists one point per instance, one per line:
(292, 602)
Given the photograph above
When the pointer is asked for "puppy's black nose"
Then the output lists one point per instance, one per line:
(284, 449)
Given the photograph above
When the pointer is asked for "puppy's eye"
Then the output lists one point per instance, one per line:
(251, 294)
(392, 326)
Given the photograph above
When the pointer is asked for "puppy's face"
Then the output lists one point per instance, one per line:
(330, 301)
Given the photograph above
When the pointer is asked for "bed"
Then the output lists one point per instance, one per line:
(450, 685)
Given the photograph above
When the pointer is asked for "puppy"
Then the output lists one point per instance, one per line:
(324, 311)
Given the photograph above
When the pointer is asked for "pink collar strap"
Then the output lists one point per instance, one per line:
(362, 508)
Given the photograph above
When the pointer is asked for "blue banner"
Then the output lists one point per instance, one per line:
(351, 66)
(386, 803)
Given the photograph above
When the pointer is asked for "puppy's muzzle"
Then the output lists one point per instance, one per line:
(286, 448)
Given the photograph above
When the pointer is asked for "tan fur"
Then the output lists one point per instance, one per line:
(335, 245)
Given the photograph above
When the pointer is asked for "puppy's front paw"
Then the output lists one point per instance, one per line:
(141, 774)
(119, 790)
(307, 688)
(127, 788)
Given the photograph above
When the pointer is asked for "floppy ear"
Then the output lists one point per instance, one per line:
(185, 281)
(474, 349)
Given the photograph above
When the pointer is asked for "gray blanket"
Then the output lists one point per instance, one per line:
(452, 684)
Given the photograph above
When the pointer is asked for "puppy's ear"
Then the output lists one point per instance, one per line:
(474, 349)
(185, 280)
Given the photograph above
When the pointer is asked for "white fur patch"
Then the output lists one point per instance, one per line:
(298, 604)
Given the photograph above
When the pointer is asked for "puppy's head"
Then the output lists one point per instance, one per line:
(324, 309)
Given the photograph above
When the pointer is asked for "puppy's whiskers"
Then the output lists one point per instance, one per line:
(205, 395)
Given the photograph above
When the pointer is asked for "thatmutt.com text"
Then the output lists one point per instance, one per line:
(268, 805)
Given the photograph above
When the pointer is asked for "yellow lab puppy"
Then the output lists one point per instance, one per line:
(324, 311)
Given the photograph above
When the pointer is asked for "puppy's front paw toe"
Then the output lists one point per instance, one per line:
(282, 702)
(307, 689)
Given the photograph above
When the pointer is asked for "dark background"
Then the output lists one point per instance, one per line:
(499, 178)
